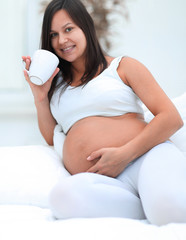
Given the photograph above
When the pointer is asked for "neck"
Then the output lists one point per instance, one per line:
(78, 69)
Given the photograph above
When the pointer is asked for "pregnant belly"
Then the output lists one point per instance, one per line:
(93, 133)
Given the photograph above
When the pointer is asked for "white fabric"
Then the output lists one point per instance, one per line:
(27, 174)
(34, 223)
(105, 95)
(158, 177)
(58, 139)
(179, 138)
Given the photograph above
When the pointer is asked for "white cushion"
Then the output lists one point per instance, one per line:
(179, 138)
(27, 174)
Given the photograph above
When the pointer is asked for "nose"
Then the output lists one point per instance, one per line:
(62, 39)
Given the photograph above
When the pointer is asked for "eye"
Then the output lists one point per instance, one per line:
(69, 29)
(53, 35)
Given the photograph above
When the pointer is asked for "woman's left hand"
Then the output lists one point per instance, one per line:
(110, 162)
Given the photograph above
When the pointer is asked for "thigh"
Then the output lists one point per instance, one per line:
(94, 195)
(163, 167)
(161, 182)
(161, 161)
(129, 177)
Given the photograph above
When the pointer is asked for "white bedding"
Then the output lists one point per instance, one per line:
(27, 174)
(35, 223)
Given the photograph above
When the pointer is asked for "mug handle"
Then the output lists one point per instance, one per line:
(24, 66)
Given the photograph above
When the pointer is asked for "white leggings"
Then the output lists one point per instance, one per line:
(153, 187)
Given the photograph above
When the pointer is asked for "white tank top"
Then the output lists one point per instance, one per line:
(105, 95)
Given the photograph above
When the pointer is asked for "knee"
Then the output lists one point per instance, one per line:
(67, 197)
(166, 209)
(59, 198)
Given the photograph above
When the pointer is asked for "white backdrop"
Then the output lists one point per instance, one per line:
(155, 35)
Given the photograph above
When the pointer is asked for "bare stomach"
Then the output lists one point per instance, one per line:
(93, 133)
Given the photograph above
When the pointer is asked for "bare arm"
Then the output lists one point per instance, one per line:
(166, 122)
(167, 119)
(46, 121)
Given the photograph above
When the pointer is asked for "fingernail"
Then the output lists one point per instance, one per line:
(88, 158)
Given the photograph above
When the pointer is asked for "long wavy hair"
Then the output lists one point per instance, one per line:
(94, 56)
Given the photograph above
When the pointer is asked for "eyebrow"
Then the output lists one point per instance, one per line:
(62, 26)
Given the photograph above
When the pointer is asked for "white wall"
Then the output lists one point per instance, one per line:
(155, 35)
(20, 23)
(11, 43)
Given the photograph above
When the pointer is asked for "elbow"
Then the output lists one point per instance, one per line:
(48, 140)
(174, 120)
(50, 143)
(179, 123)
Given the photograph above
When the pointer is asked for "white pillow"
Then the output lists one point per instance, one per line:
(28, 173)
(179, 138)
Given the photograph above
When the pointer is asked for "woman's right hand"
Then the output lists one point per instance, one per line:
(40, 92)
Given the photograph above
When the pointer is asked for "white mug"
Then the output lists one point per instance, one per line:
(43, 65)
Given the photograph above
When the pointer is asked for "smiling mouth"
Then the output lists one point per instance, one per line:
(67, 49)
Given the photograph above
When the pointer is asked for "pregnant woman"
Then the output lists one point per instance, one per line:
(119, 165)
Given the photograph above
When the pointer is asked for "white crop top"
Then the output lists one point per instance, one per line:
(105, 95)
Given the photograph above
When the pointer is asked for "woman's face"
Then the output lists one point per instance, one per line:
(67, 39)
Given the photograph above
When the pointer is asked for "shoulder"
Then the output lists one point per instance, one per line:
(129, 63)
(125, 60)
(130, 68)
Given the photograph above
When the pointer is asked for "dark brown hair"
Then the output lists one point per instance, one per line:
(94, 57)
